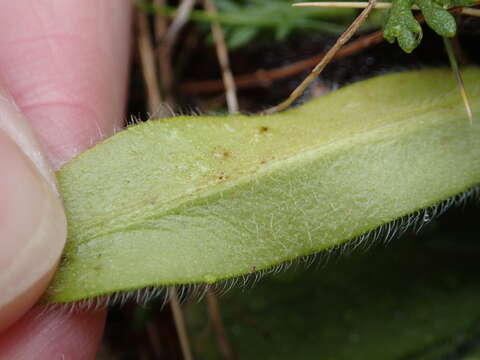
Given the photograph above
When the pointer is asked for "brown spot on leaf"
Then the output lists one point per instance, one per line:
(221, 153)
(222, 176)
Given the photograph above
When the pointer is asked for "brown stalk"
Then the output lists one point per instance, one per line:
(218, 327)
(147, 59)
(325, 59)
(166, 46)
(222, 55)
(262, 78)
(180, 323)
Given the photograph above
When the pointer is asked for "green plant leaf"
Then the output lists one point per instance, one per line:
(402, 26)
(439, 19)
(240, 36)
(201, 199)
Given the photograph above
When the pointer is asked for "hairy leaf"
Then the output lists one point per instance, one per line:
(415, 300)
(201, 199)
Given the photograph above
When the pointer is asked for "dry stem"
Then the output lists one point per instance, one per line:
(147, 59)
(347, 4)
(166, 46)
(181, 18)
(164, 56)
(219, 329)
(222, 54)
(265, 77)
(180, 323)
(471, 12)
(364, 4)
(325, 60)
(458, 76)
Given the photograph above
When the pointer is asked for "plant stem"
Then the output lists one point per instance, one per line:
(222, 55)
(180, 323)
(458, 76)
(325, 60)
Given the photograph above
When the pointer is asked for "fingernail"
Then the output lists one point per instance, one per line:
(32, 221)
(14, 124)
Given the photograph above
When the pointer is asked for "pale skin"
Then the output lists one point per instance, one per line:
(63, 79)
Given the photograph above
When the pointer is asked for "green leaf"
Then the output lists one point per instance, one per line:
(201, 199)
(439, 19)
(240, 36)
(282, 32)
(402, 26)
(228, 6)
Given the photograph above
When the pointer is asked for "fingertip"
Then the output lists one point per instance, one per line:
(45, 333)
(32, 221)
(66, 64)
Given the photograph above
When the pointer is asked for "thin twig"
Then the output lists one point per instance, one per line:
(166, 45)
(360, 5)
(458, 76)
(325, 60)
(147, 59)
(266, 77)
(180, 323)
(164, 57)
(220, 333)
(222, 54)
(181, 18)
(460, 55)
(161, 24)
(471, 12)
(347, 4)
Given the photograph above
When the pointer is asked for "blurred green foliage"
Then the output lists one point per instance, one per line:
(245, 21)
(279, 19)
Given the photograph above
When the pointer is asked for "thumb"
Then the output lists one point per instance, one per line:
(32, 221)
